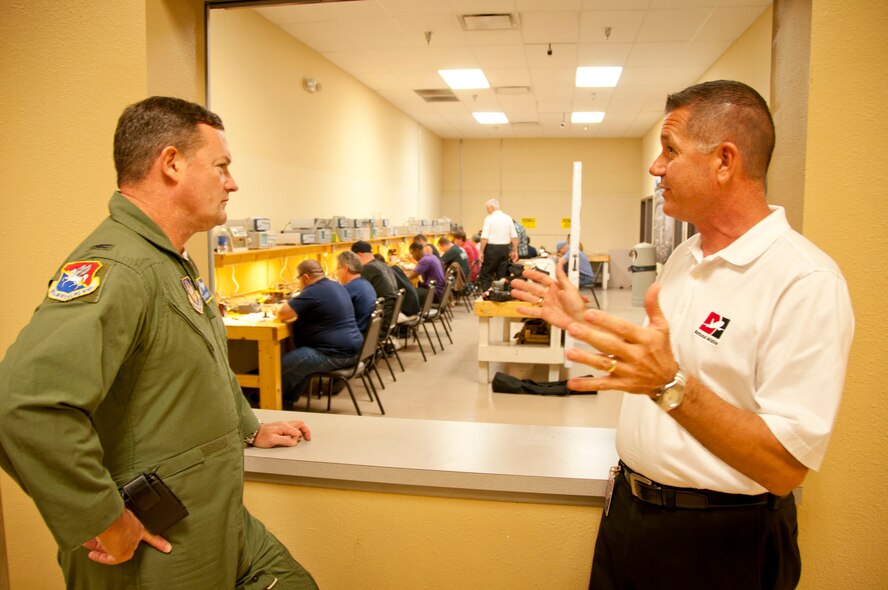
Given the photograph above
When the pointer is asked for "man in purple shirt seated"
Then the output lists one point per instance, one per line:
(428, 267)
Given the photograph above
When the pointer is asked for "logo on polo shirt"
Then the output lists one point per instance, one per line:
(713, 328)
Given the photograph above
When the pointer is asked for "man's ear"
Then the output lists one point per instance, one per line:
(171, 162)
(728, 160)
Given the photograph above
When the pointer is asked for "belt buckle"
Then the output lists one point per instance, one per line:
(634, 480)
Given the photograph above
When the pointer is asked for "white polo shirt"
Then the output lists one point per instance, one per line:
(766, 324)
(499, 229)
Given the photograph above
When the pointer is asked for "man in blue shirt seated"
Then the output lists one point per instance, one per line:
(324, 331)
(586, 275)
(429, 268)
(362, 293)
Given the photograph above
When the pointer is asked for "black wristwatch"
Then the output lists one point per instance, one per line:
(671, 395)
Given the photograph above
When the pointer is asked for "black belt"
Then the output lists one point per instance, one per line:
(671, 497)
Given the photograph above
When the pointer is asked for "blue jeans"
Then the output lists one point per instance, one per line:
(301, 362)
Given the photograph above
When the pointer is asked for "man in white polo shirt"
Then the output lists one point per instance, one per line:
(737, 373)
(499, 245)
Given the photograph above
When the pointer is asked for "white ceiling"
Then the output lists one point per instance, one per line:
(662, 45)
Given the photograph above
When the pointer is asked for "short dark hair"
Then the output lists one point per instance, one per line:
(147, 127)
(416, 246)
(458, 234)
(420, 238)
(726, 110)
(443, 242)
(350, 261)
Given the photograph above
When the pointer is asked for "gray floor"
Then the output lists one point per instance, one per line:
(447, 388)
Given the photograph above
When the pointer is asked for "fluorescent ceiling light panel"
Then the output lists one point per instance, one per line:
(464, 79)
(490, 118)
(598, 77)
(587, 117)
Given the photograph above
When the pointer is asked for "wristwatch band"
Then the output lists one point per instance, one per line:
(248, 440)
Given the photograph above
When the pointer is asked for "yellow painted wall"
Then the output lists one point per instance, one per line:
(351, 539)
(68, 69)
(844, 517)
(341, 151)
(533, 178)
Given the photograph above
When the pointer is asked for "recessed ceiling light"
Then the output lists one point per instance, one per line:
(464, 79)
(598, 77)
(587, 117)
(491, 118)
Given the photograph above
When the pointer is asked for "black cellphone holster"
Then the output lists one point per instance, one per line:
(153, 503)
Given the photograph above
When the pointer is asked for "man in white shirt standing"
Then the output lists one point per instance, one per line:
(499, 245)
(734, 381)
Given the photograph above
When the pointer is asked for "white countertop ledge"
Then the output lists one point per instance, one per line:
(509, 462)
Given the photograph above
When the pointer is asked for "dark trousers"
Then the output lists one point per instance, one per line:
(643, 546)
(495, 265)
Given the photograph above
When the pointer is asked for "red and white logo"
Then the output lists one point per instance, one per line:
(713, 327)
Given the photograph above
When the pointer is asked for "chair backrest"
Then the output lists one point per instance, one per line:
(380, 305)
(371, 336)
(430, 298)
(448, 291)
(396, 311)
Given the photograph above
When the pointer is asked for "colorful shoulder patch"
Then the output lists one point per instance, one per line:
(77, 279)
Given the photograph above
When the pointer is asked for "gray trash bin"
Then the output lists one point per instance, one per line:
(644, 271)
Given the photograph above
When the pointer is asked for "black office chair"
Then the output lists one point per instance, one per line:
(441, 312)
(387, 341)
(359, 369)
(414, 322)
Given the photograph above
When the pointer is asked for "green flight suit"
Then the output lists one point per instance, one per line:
(123, 369)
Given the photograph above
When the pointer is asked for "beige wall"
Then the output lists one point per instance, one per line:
(533, 178)
(351, 539)
(748, 60)
(68, 69)
(341, 151)
(843, 529)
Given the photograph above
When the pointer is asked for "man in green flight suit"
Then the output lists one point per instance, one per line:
(125, 363)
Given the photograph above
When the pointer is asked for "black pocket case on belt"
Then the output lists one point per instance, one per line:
(153, 503)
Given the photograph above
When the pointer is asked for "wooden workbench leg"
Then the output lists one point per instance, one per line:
(270, 374)
(483, 340)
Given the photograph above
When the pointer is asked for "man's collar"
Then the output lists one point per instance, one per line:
(126, 213)
(756, 240)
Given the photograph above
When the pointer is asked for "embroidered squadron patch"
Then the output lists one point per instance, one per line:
(193, 296)
(77, 279)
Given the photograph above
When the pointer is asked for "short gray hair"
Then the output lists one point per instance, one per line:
(350, 261)
(492, 203)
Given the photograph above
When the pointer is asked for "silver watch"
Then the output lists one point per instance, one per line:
(248, 440)
(671, 395)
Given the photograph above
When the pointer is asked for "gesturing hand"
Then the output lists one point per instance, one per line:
(560, 301)
(637, 359)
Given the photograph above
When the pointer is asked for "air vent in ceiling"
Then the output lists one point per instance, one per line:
(489, 22)
(512, 90)
(437, 95)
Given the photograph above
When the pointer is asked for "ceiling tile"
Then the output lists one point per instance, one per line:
(550, 27)
(624, 25)
(661, 26)
(663, 46)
